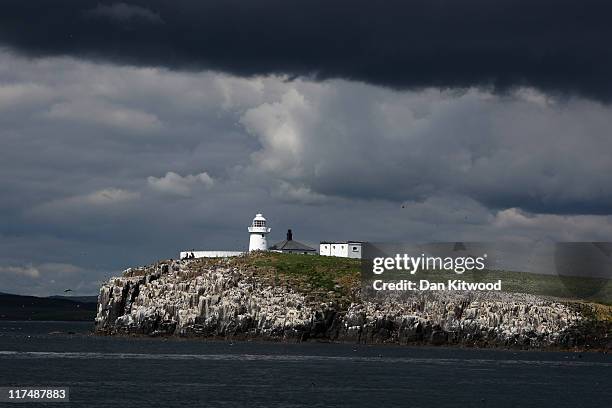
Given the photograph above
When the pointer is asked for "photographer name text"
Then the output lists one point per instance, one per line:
(425, 285)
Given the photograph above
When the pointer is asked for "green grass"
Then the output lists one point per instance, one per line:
(318, 274)
(312, 274)
(325, 279)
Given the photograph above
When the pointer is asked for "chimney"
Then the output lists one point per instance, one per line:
(289, 235)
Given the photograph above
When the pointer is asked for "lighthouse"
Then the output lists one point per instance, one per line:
(258, 232)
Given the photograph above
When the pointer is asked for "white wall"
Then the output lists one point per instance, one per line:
(257, 238)
(210, 254)
(341, 249)
(354, 250)
(258, 241)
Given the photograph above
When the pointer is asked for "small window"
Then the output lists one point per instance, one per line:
(355, 249)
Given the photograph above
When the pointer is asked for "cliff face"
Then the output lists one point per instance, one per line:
(223, 298)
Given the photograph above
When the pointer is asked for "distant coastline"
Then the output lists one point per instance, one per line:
(52, 308)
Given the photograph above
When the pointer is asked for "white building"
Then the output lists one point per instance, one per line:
(257, 241)
(258, 231)
(343, 249)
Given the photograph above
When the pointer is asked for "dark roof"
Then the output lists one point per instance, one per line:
(290, 245)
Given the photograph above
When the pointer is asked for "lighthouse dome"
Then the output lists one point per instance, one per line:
(259, 221)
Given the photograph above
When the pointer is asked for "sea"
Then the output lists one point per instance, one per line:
(162, 372)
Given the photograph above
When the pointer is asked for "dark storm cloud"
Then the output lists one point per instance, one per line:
(559, 46)
(124, 12)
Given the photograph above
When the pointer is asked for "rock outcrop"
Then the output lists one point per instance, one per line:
(224, 299)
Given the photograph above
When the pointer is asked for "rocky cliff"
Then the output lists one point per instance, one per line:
(249, 297)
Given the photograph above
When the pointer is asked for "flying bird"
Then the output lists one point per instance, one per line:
(68, 290)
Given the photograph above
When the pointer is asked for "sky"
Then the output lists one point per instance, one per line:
(132, 130)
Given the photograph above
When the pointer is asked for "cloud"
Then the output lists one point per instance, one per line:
(108, 196)
(361, 142)
(57, 268)
(331, 160)
(566, 228)
(302, 140)
(558, 47)
(104, 201)
(91, 111)
(298, 194)
(104, 197)
(45, 269)
(14, 96)
(48, 278)
(279, 128)
(175, 184)
(21, 271)
(123, 12)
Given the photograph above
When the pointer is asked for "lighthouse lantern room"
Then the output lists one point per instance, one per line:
(258, 231)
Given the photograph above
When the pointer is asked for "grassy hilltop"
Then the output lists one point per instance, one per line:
(323, 277)
(322, 274)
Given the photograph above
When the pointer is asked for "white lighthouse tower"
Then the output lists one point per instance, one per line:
(258, 232)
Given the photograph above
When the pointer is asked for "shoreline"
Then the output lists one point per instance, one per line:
(420, 345)
(280, 341)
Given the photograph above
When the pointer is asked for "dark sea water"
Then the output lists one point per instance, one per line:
(131, 372)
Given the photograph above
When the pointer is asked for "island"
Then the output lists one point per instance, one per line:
(290, 297)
